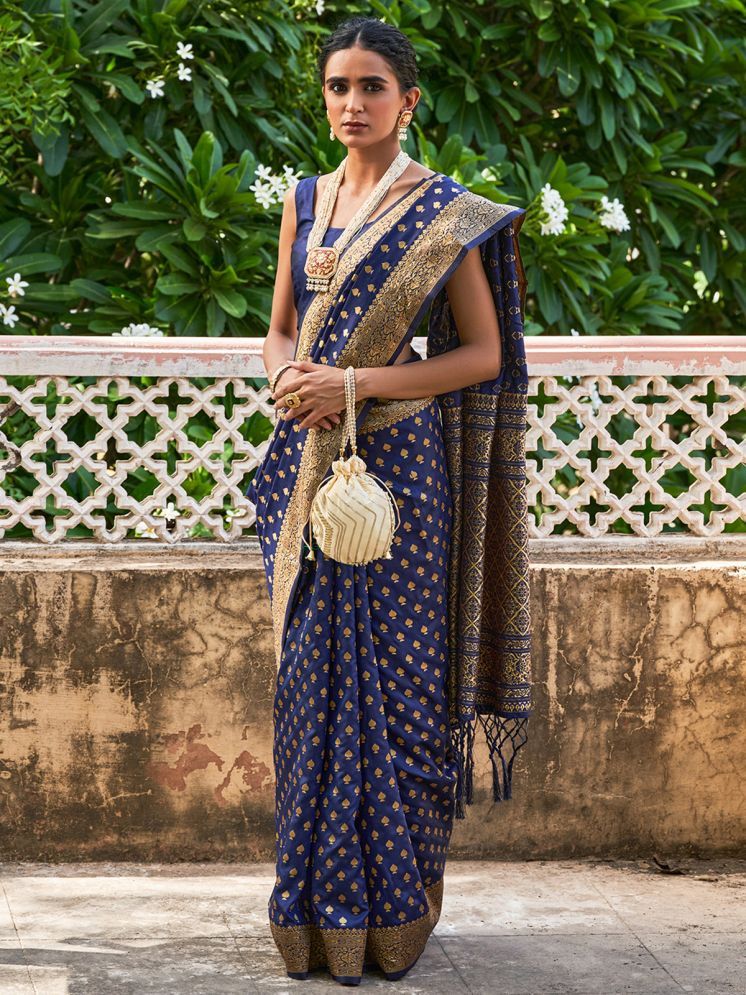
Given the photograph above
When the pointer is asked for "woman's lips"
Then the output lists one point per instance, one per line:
(354, 127)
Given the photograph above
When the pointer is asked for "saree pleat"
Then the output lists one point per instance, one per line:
(364, 776)
(383, 668)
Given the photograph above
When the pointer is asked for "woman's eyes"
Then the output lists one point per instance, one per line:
(334, 85)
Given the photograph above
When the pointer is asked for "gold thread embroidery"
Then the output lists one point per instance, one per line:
(389, 411)
(393, 948)
(476, 214)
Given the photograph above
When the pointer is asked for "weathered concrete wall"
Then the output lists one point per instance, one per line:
(136, 689)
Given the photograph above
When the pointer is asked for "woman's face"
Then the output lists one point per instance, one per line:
(361, 86)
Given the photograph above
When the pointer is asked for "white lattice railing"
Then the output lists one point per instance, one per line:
(116, 438)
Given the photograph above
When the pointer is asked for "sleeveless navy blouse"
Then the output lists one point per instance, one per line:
(304, 192)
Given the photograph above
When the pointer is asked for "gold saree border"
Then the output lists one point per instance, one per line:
(343, 951)
(390, 411)
(398, 297)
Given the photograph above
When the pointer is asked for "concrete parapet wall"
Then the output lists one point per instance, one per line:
(136, 686)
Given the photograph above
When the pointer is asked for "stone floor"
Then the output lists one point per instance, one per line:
(516, 928)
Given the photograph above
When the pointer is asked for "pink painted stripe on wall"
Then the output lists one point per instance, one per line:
(546, 355)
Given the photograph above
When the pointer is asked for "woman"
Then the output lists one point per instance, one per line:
(384, 669)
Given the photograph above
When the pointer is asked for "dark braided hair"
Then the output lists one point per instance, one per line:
(375, 36)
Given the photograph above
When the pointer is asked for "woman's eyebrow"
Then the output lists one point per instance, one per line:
(363, 79)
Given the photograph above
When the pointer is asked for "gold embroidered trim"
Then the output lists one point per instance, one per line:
(342, 951)
(476, 213)
(388, 412)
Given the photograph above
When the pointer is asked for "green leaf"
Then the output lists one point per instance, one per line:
(106, 131)
(541, 9)
(12, 234)
(194, 230)
(153, 239)
(180, 259)
(144, 210)
(185, 149)
(32, 262)
(100, 16)
(608, 115)
(230, 301)
(668, 227)
(549, 31)
(202, 99)
(215, 318)
(176, 285)
(91, 290)
(708, 256)
(448, 103)
(207, 157)
(51, 293)
(125, 84)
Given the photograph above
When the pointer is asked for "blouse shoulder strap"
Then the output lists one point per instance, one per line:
(304, 199)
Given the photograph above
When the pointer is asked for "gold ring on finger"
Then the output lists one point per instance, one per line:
(292, 399)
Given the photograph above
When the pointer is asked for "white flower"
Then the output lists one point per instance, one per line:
(574, 331)
(184, 72)
(16, 285)
(269, 188)
(231, 513)
(143, 329)
(319, 7)
(556, 211)
(596, 401)
(8, 314)
(264, 194)
(290, 175)
(154, 87)
(184, 51)
(145, 531)
(613, 215)
(170, 511)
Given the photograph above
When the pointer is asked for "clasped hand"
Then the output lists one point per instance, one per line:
(321, 389)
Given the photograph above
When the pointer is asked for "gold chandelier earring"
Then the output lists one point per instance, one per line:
(404, 120)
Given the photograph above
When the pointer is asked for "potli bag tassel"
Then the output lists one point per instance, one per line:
(353, 518)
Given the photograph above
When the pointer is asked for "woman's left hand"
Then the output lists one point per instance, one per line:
(321, 388)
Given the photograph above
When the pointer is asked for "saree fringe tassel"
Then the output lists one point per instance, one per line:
(505, 736)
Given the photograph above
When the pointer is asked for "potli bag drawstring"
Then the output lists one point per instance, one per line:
(352, 517)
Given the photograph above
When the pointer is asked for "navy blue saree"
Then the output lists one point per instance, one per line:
(385, 671)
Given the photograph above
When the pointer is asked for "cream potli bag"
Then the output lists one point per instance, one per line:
(353, 518)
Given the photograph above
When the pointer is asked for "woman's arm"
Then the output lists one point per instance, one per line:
(279, 344)
(478, 358)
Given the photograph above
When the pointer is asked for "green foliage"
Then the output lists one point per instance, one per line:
(34, 90)
(129, 208)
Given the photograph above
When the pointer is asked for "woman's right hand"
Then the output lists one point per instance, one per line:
(328, 421)
(320, 383)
